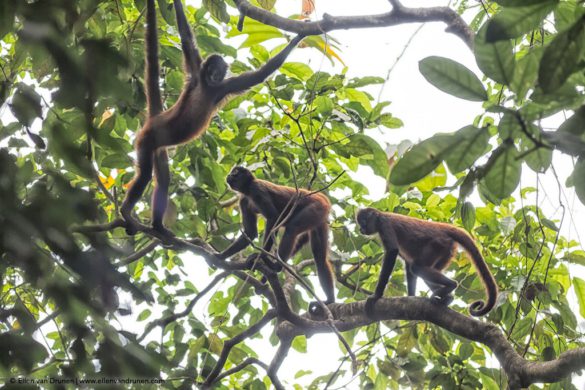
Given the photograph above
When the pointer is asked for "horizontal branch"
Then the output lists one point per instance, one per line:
(520, 371)
(398, 15)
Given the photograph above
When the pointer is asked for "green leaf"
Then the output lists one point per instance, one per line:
(578, 177)
(370, 153)
(217, 9)
(389, 121)
(496, 60)
(422, 159)
(26, 104)
(503, 175)
(513, 22)
(468, 215)
(453, 78)
(363, 81)
(297, 70)
(561, 57)
(215, 45)
(575, 124)
(472, 145)
(518, 3)
(167, 11)
(575, 257)
(538, 159)
(267, 4)
(526, 72)
(7, 13)
(579, 286)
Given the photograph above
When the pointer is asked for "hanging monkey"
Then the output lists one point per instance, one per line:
(305, 219)
(206, 90)
(427, 249)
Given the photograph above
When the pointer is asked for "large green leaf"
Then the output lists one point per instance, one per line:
(538, 159)
(452, 77)
(496, 59)
(575, 124)
(561, 57)
(515, 21)
(578, 177)
(526, 72)
(579, 285)
(503, 175)
(422, 159)
(217, 9)
(472, 144)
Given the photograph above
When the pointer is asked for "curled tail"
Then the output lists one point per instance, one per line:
(478, 308)
(151, 73)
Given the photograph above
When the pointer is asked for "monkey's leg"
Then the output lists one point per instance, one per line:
(160, 195)
(410, 280)
(320, 246)
(141, 179)
(443, 285)
(387, 267)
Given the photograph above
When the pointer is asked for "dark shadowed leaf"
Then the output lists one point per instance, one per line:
(26, 104)
(217, 9)
(575, 124)
(496, 59)
(7, 11)
(578, 177)
(472, 144)
(513, 22)
(468, 215)
(526, 72)
(422, 159)
(453, 78)
(503, 176)
(561, 57)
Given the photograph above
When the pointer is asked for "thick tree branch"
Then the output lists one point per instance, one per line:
(398, 15)
(521, 372)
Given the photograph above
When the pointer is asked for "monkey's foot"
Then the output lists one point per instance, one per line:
(131, 225)
(442, 300)
(251, 260)
(370, 303)
(274, 265)
(166, 234)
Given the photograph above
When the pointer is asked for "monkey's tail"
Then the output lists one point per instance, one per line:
(478, 308)
(152, 71)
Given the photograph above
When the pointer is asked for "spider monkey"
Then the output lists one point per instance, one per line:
(206, 90)
(306, 221)
(427, 248)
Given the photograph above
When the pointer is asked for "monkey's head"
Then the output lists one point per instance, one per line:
(213, 70)
(366, 220)
(239, 178)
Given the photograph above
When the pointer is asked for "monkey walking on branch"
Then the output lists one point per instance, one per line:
(427, 248)
(205, 91)
(306, 222)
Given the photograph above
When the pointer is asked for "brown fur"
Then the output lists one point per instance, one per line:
(427, 247)
(204, 93)
(303, 215)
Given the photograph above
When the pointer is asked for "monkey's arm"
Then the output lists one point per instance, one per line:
(249, 220)
(247, 80)
(191, 55)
